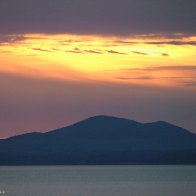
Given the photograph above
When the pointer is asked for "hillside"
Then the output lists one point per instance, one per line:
(102, 140)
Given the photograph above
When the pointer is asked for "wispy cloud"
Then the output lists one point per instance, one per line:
(177, 43)
(190, 83)
(116, 52)
(174, 68)
(165, 54)
(164, 68)
(177, 75)
(11, 38)
(125, 42)
(79, 51)
(40, 49)
(158, 39)
(93, 51)
(55, 49)
(136, 78)
(75, 50)
(96, 51)
(141, 53)
(148, 79)
(168, 36)
(5, 51)
(72, 41)
(153, 77)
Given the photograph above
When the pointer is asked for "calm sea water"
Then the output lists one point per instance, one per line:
(98, 181)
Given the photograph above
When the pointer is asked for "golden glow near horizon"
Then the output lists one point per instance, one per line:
(144, 59)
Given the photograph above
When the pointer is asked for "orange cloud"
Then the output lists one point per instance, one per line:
(61, 57)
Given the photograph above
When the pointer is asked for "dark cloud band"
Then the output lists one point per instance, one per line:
(97, 16)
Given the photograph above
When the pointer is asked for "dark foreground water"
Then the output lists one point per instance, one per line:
(98, 181)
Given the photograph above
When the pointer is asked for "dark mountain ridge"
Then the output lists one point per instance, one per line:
(102, 140)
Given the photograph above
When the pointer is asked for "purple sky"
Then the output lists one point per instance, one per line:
(35, 104)
(32, 104)
(97, 16)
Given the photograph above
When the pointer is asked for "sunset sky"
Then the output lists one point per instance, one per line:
(65, 60)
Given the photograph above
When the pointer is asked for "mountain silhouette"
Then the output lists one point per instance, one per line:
(102, 140)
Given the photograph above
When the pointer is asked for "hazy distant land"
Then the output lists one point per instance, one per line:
(102, 140)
